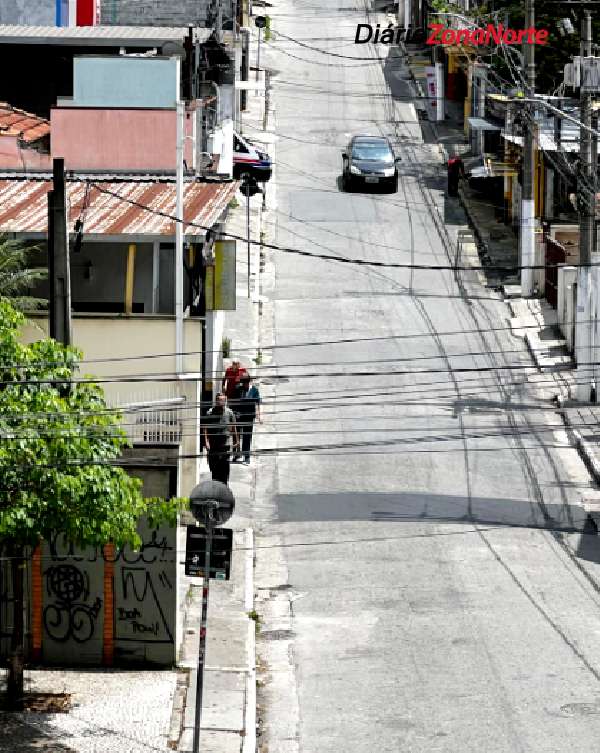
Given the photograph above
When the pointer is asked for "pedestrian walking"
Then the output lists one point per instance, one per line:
(220, 434)
(233, 375)
(247, 405)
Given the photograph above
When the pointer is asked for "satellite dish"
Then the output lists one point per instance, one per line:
(171, 49)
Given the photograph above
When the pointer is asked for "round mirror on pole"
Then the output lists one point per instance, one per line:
(212, 502)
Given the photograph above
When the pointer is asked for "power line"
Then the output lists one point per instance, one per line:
(280, 346)
(279, 377)
(326, 257)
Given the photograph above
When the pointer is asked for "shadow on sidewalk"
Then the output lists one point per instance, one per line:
(589, 543)
(29, 734)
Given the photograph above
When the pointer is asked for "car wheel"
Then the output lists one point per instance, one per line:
(346, 185)
(393, 185)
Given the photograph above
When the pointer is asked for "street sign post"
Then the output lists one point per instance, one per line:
(220, 553)
(212, 503)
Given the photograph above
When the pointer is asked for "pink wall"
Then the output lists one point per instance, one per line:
(97, 139)
(14, 157)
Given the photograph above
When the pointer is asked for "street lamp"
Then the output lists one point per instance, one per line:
(212, 503)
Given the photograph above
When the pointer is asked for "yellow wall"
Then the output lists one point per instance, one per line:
(114, 337)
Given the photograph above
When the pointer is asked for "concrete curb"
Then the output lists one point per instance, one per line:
(249, 743)
(591, 501)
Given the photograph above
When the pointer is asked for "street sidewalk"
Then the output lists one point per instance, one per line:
(494, 243)
(498, 242)
(139, 711)
(229, 701)
(228, 722)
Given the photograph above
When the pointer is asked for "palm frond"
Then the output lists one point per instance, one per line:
(17, 278)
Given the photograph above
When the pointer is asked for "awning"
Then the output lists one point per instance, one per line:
(484, 166)
(545, 142)
(99, 36)
(479, 124)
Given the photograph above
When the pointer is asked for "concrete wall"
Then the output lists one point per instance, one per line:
(215, 323)
(146, 591)
(125, 81)
(72, 604)
(28, 12)
(119, 336)
(46, 12)
(144, 604)
(123, 139)
(13, 156)
(154, 12)
(81, 588)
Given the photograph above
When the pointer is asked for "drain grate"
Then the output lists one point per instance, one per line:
(581, 709)
(277, 635)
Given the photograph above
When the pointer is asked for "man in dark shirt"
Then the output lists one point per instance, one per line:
(220, 433)
(247, 407)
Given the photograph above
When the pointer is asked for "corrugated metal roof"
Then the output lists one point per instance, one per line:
(16, 122)
(24, 206)
(127, 36)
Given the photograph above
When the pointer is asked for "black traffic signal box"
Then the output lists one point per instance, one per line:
(220, 552)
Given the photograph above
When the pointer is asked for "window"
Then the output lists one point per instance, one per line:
(238, 146)
(365, 150)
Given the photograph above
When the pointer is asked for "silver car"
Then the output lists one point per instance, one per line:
(369, 160)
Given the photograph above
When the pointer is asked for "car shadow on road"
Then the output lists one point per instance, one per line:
(375, 189)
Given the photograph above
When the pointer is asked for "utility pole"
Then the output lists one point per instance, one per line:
(527, 223)
(587, 225)
(212, 504)
(245, 67)
(258, 52)
(179, 210)
(219, 21)
(58, 257)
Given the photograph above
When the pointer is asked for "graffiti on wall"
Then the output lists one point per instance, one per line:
(142, 600)
(68, 613)
(73, 584)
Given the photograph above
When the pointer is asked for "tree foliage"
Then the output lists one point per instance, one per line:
(58, 444)
(59, 441)
(551, 57)
(17, 276)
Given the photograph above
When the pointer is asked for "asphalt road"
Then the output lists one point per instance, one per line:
(423, 497)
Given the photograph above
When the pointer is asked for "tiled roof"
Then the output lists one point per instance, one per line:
(15, 122)
(114, 207)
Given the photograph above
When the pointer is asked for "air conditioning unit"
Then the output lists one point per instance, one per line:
(590, 75)
(572, 73)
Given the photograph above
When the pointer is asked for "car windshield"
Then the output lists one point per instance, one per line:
(372, 151)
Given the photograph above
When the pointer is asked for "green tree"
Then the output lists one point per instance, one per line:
(58, 443)
(17, 276)
(559, 50)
